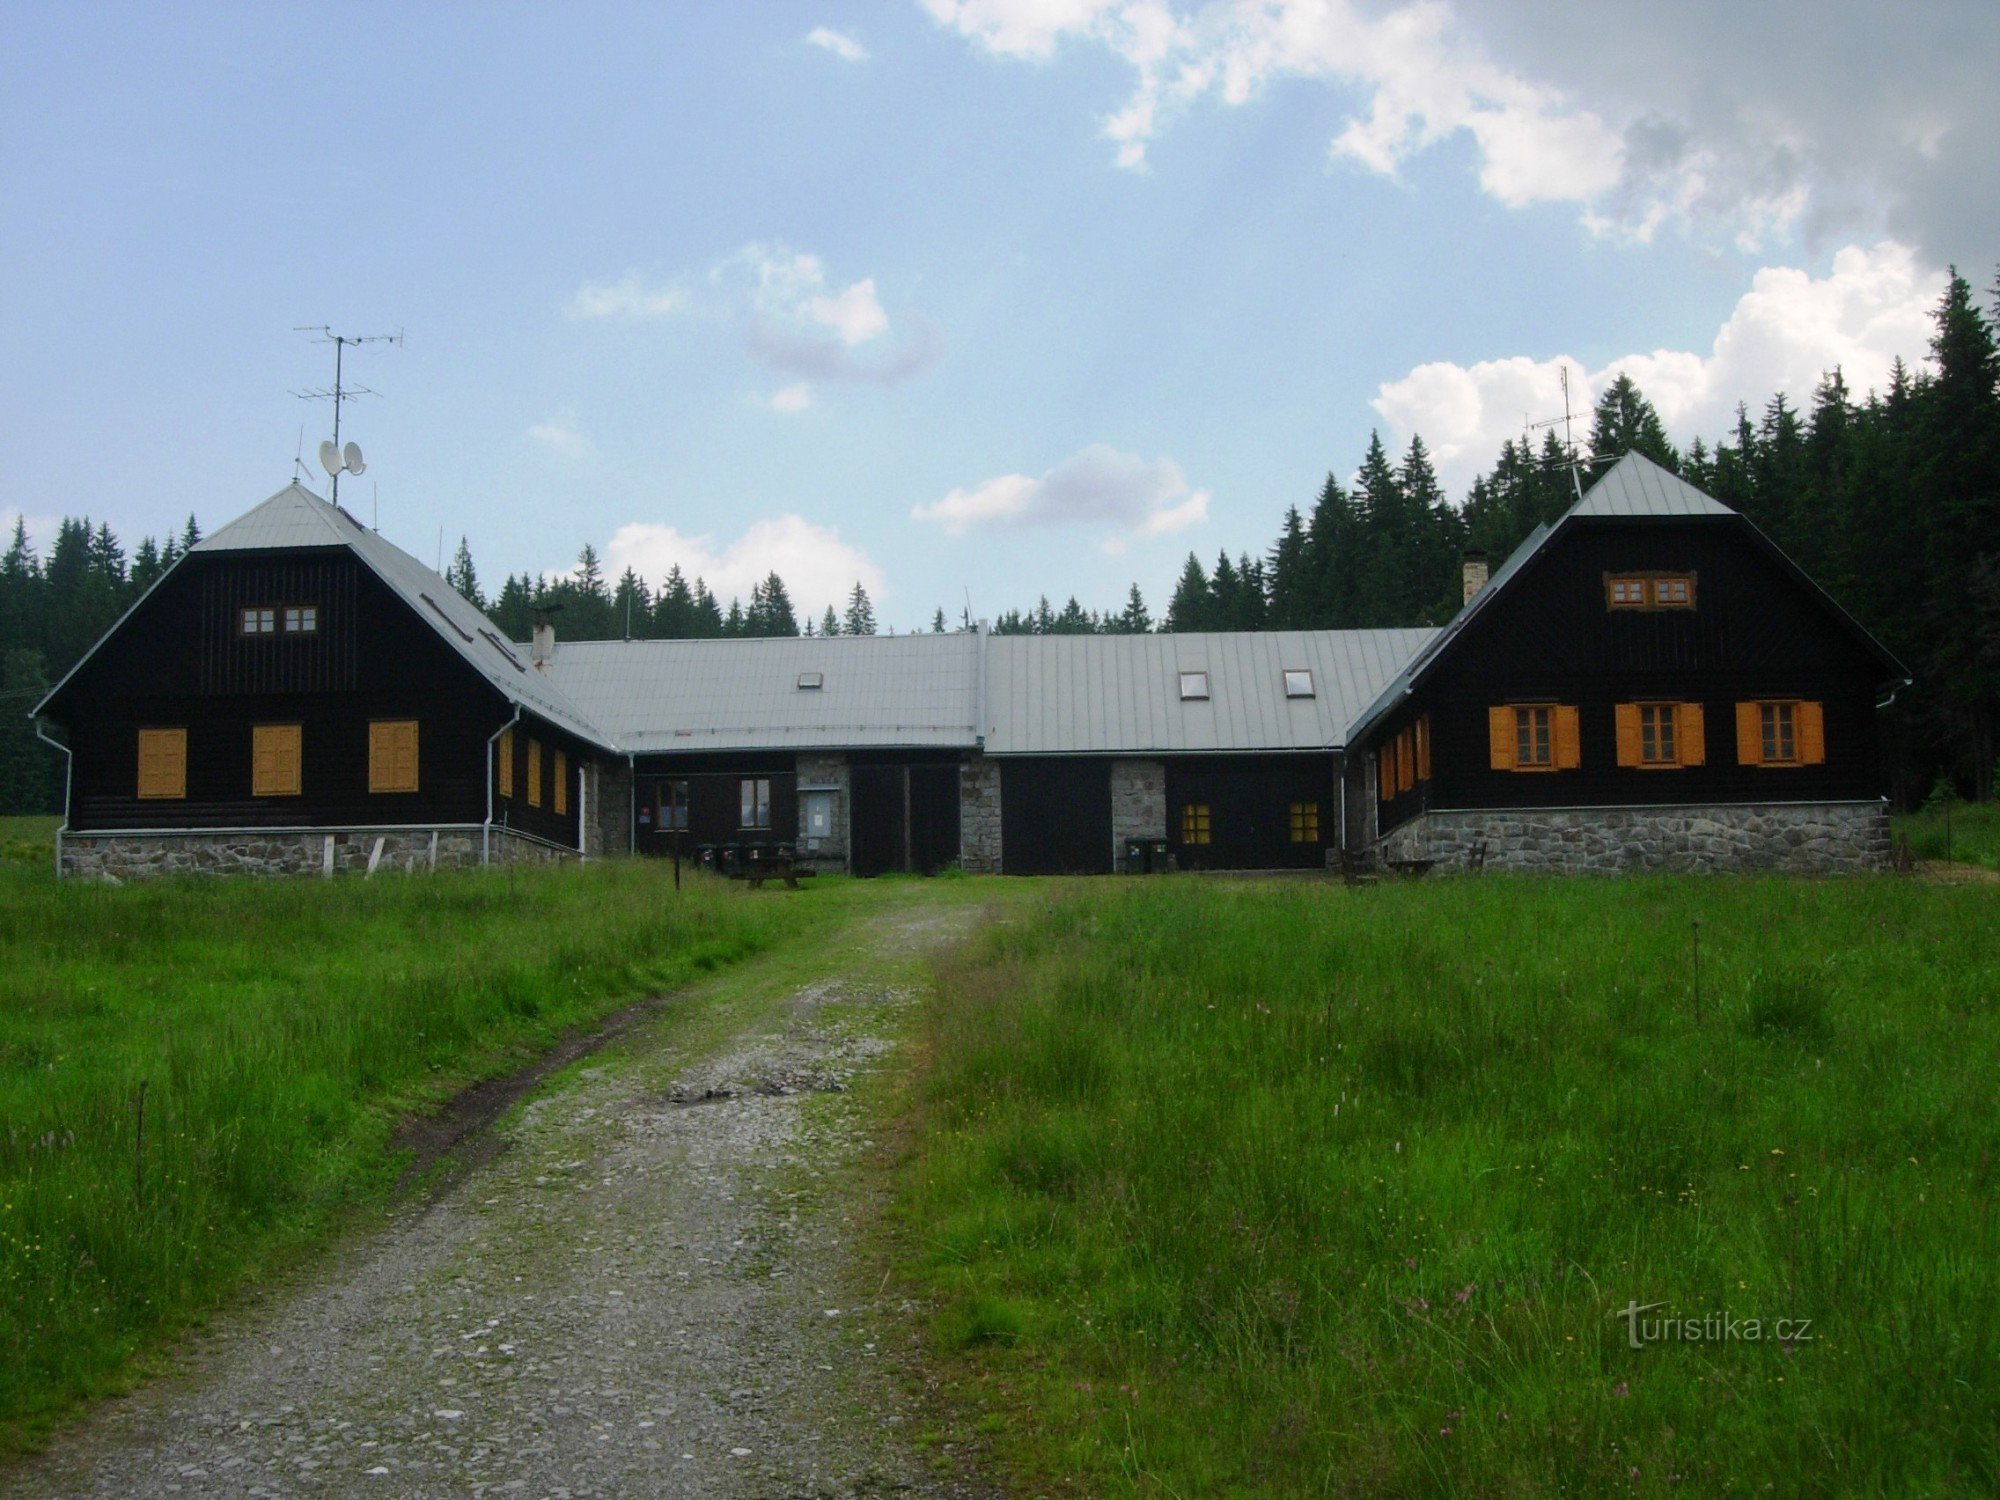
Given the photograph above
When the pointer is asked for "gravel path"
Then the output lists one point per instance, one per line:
(646, 1293)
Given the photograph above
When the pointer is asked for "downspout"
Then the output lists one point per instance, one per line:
(631, 802)
(69, 775)
(486, 829)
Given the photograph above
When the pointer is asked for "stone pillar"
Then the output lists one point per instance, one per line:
(607, 833)
(1138, 804)
(979, 851)
(826, 770)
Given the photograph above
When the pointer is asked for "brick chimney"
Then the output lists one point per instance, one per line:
(542, 649)
(1476, 573)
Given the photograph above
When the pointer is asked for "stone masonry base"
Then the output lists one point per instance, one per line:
(138, 856)
(1823, 838)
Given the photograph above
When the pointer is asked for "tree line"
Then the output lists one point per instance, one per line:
(1891, 500)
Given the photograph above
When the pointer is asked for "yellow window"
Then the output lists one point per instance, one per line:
(534, 773)
(1780, 732)
(562, 784)
(1535, 737)
(163, 758)
(1673, 591)
(392, 755)
(1625, 593)
(1660, 736)
(504, 769)
(1305, 822)
(275, 755)
(1194, 823)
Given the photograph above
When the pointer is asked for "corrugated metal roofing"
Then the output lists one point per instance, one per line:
(1636, 486)
(1086, 694)
(878, 692)
(296, 517)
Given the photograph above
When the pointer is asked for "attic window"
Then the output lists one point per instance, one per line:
(301, 619)
(1298, 684)
(810, 681)
(1194, 687)
(262, 620)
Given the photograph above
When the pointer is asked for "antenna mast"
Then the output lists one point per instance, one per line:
(339, 394)
(1575, 464)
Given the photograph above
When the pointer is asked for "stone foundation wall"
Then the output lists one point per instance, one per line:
(979, 816)
(824, 770)
(1825, 838)
(1138, 803)
(141, 856)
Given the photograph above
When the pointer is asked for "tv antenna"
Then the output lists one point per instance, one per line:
(334, 458)
(1576, 464)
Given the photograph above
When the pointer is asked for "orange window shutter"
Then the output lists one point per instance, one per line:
(505, 776)
(406, 755)
(1403, 762)
(274, 760)
(1811, 722)
(534, 773)
(1627, 718)
(1749, 736)
(1568, 738)
(1690, 734)
(162, 763)
(1500, 735)
(1424, 748)
(562, 784)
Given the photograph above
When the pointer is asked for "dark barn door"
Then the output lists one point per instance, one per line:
(904, 817)
(1251, 814)
(1055, 817)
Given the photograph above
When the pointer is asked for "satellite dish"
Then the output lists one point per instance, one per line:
(329, 458)
(351, 456)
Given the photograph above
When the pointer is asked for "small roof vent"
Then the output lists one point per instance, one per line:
(811, 681)
(1194, 687)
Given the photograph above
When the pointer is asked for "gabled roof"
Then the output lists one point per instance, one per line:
(875, 692)
(1634, 488)
(1097, 694)
(296, 518)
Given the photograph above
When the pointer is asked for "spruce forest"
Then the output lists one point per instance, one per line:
(1890, 499)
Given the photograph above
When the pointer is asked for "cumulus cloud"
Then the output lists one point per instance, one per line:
(818, 567)
(1783, 335)
(839, 43)
(1639, 115)
(560, 435)
(792, 398)
(1098, 486)
(633, 295)
(802, 323)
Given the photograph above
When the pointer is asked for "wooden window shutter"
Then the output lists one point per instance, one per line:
(1629, 750)
(1749, 736)
(1810, 722)
(504, 779)
(392, 755)
(562, 784)
(1690, 735)
(534, 773)
(163, 763)
(1500, 734)
(1424, 748)
(275, 753)
(1405, 762)
(1568, 737)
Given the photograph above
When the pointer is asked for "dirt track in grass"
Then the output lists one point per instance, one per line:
(639, 1284)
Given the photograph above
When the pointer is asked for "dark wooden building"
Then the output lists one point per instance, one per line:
(296, 693)
(1652, 653)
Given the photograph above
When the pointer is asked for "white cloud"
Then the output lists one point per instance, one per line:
(839, 43)
(560, 436)
(801, 323)
(855, 314)
(792, 398)
(632, 295)
(1097, 486)
(818, 567)
(1783, 335)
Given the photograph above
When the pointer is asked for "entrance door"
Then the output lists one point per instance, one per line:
(1055, 817)
(904, 817)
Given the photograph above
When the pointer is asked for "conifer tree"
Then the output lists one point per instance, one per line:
(860, 617)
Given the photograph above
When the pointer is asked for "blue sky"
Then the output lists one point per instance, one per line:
(959, 297)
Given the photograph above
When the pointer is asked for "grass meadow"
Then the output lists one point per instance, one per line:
(278, 1030)
(1283, 1188)
(1970, 836)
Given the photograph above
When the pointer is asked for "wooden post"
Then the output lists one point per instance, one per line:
(909, 864)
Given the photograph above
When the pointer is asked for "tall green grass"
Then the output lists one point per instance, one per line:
(1282, 1189)
(1971, 834)
(277, 1030)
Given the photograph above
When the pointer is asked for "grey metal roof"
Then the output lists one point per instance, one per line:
(1636, 486)
(1087, 694)
(295, 517)
(878, 692)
